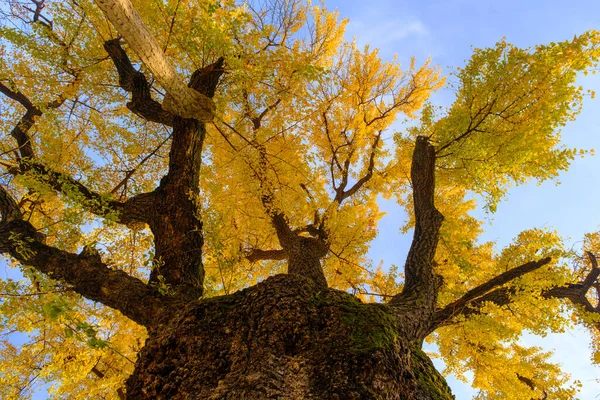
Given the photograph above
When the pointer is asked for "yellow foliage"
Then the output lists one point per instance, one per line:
(304, 114)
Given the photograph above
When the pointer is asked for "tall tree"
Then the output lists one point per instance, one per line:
(194, 184)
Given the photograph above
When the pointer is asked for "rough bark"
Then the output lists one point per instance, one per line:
(416, 302)
(136, 83)
(283, 339)
(174, 219)
(303, 254)
(175, 224)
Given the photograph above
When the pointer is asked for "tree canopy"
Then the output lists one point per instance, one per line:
(293, 146)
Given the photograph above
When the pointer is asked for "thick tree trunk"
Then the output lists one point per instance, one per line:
(283, 339)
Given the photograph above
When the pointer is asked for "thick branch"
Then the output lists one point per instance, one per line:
(181, 100)
(420, 283)
(16, 96)
(188, 134)
(135, 82)
(254, 255)
(85, 272)
(457, 307)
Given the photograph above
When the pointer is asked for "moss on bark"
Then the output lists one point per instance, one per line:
(283, 339)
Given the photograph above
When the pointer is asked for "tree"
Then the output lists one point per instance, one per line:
(140, 208)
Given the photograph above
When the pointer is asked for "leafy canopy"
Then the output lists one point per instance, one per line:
(306, 116)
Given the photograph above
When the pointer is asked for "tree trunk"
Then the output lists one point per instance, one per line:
(283, 339)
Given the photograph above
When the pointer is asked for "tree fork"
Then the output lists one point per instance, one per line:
(181, 100)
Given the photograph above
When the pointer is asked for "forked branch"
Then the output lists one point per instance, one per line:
(135, 82)
(457, 307)
(181, 100)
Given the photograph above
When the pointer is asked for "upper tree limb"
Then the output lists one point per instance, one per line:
(479, 293)
(420, 282)
(472, 301)
(187, 103)
(136, 83)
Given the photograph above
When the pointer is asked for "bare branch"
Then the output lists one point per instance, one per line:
(342, 194)
(256, 121)
(142, 162)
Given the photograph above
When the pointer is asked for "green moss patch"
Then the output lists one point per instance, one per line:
(428, 378)
(371, 326)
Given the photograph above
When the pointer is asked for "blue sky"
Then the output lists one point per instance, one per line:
(445, 31)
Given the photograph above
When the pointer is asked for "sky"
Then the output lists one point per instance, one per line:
(446, 31)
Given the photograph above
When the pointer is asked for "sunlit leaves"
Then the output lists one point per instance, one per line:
(304, 117)
(504, 126)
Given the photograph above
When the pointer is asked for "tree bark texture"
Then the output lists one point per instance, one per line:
(283, 339)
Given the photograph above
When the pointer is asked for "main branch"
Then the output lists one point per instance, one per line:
(457, 307)
(421, 284)
(576, 293)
